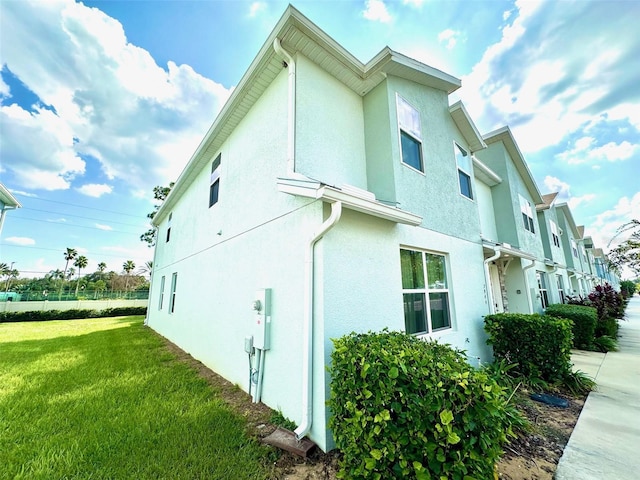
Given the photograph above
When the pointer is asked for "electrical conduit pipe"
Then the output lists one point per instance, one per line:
(307, 327)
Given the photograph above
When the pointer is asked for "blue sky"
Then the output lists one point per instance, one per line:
(100, 101)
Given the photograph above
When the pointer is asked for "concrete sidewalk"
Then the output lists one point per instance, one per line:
(605, 444)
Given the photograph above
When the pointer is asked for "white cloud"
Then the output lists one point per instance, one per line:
(20, 240)
(376, 11)
(413, 3)
(604, 228)
(94, 189)
(111, 100)
(449, 38)
(24, 194)
(575, 201)
(104, 227)
(584, 150)
(554, 184)
(547, 84)
(256, 8)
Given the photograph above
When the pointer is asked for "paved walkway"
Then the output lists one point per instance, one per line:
(605, 444)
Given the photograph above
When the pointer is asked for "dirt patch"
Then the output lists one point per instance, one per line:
(533, 455)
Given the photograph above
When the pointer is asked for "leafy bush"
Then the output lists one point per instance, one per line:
(584, 322)
(605, 344)
(608, 327)
(406, 408)
(578, 382)
(72, 314)
(607, 301)
(539, 344)
(627, 288)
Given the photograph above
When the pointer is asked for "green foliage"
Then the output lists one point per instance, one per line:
(406, 408)
(627, 288)
(279, 420)
(72, 314)
(607, 301)
(539, 344)
(584, 322)
(578, 382)
(605, 344)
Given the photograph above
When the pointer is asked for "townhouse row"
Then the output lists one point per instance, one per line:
(332, 196)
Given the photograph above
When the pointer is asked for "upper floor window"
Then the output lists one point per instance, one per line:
(214, 181)
(410, 134)
(425, 291)
(574, 248)
(463, 160)
(527, 214)
(554, 233)
(169, 226)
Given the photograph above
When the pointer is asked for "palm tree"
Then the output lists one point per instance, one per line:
(128, 267)
(147, 268)
(69, 255)
(81, 262)
(101, 268)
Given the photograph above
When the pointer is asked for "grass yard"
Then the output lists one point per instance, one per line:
(104, 398)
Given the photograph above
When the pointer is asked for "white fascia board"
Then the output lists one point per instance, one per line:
(8, 199)
(484, 173)
(465, 124)
(509, 250)
(311, 189)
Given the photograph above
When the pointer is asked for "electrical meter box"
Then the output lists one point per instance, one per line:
(262, 319)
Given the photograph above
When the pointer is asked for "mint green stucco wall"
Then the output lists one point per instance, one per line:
(329, 128)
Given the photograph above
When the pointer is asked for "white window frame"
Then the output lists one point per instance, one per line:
(161, 299)
(409, 123)
(215, 179)
(169, 228)
(464, 164)
(543, 291)
(527, 211)
(172, 296)
(427, 290)
(560, 283)
(554, 233)
(574, 248)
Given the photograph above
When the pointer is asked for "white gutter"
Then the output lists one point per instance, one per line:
(487, 279)
(291, 64)
(307, 357)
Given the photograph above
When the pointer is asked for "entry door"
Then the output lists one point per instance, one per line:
(496, 291)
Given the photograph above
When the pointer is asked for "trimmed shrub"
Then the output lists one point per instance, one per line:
(607, 327)
(405, 408)
(584, 322)
(540, 345)
(72, 314)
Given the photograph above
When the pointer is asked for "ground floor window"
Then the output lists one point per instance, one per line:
(542, 289)
(425, 291)
(161, 299)
(172, 297)
(561, 289)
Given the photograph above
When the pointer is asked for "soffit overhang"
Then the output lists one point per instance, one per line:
(465, 124)
(505, 136)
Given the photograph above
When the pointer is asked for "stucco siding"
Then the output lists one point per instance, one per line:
(484, 200)
(329, 128)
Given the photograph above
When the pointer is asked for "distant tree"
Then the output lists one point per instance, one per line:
(102, 267)
(159, 193)
(69, 254)
(628, 252)
(81, 262)
(9, 273)
(128, 267)
(147, 268)
(70, 273)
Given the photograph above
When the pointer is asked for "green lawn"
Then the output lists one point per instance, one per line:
(103, 398)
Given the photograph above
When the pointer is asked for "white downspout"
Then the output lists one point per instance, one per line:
(307, 327)
(487, 279)
(526, 284)
(291, 64)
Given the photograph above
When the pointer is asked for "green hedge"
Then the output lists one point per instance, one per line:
(72, 314)
(405, 408)
(584, 322)
(540, 345)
